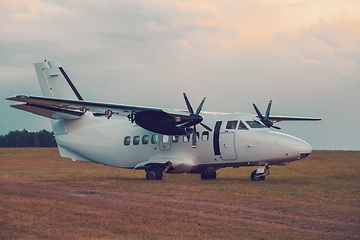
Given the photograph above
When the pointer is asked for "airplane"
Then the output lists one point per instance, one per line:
(159, 140)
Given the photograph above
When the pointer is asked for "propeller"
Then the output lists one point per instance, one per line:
(194, 119)
(265, 120)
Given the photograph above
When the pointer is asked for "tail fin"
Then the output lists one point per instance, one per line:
(54, 82)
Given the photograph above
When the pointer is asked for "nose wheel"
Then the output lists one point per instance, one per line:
(260, 173)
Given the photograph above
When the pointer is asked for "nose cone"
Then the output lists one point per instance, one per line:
(293, 148)
(303, 149)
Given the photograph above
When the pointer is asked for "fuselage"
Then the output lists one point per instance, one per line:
(236, 140)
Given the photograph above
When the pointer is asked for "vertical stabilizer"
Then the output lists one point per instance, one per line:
(54, 82)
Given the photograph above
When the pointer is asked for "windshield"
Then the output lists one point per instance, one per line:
(255, 124)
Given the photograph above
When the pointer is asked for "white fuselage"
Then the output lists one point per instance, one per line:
(120, 143)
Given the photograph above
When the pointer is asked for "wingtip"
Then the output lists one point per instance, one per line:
(17, 97)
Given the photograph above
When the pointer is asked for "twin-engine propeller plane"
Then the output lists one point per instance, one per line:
(159, 140)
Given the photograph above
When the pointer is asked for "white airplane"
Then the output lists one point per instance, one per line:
(159, 140)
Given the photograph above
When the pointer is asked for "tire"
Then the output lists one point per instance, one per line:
(254, 176)
(154, 173)
(203, 175)
(208, 175)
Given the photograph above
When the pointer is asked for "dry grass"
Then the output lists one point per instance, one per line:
(44, 196)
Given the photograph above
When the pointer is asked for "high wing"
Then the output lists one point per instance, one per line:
(290, 118)
(163, 121)
(268, 120)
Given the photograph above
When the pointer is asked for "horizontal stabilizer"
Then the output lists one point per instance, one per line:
(49, 112)
(81, 106)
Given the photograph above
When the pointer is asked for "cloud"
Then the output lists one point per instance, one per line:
(302, 54)
(28, 9)
(11, 73)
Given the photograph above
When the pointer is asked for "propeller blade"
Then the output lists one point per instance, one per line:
(194, 138)
(268, 110)
(188, 104)
(258, 112)
(200, 106)
(195, 119)
(183, 124)
(265, 120)
(206, 127)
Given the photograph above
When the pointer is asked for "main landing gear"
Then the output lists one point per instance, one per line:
(260, 173)
(156, 172)
(208, 175)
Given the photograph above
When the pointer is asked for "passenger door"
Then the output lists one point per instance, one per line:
(227, 146)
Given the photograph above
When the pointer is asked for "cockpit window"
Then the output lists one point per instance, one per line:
(255, 124)
(231, 124)
(242, 126)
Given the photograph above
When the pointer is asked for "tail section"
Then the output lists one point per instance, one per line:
(54, 82)
(68, 121)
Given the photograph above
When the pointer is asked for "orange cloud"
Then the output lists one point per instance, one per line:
(259, 21)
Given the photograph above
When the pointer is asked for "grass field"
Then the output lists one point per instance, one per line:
(44, 196)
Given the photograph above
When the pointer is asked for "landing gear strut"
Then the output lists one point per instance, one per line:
(260, 173)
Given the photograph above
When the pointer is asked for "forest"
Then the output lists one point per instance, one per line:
(24, 138)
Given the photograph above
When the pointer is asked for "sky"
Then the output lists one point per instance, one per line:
(304, 55)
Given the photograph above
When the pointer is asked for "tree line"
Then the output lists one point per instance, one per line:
(24, 138)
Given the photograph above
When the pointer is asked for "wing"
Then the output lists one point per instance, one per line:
(159, 120)
(290, 118)
(79, 106)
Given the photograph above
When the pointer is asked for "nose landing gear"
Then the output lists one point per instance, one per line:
(260, 173)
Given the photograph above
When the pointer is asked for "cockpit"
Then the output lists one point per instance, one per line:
(244, 125)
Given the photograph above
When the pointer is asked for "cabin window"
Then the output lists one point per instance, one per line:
(127, 140)
(136, 140)
(255, 124)
(231, 124)
(242, 126)
(165, 138)
(186, 138)
(145, 139)
(205, 136)
(154, 138)
(175, 138)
